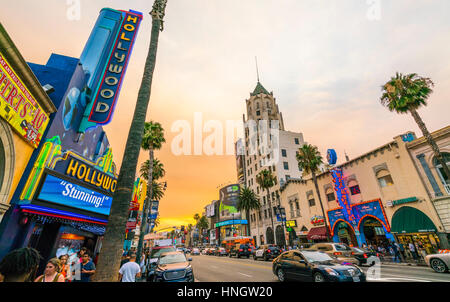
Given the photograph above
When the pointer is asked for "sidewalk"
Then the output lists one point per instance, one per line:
(389, 260)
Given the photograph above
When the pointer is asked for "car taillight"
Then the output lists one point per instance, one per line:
(268, 251)
(378, 255)
(249, 250)
(365, 256)
(337, 253)
(353, 253)
(240, 250)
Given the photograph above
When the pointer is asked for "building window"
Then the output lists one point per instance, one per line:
(286, 165)
(355, 190)
(440, 170)
(384, 178)
(330, 196)
(265, 214)
(283, 153)
(297, 142)
(297, 209)
(258, 113)
(311, 202)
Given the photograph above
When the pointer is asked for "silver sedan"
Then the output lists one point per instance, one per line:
(439, 262)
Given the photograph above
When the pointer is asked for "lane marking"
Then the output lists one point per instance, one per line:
(245, 275)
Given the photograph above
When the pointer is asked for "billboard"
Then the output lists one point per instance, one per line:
(18, 106)
(60, 191)
(227, 205)
(239, 151)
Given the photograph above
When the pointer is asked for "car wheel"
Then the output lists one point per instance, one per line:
(281, 276)
(254, 257)
(229, 255)
(438, 265)
(318, 277)
(238, 256)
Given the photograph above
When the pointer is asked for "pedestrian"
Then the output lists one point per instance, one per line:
(130, 270)
(64, 267)
(412, 249)
(87, 269)
(125, 258)
(395, 252)
(52, 272)
(20, 265)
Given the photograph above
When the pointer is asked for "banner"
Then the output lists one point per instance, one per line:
(18, 106)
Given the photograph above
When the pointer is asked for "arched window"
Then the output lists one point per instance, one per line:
(2, 163)
(440, 170)
(330, 194)
(384, 178)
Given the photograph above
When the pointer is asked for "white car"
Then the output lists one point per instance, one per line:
(438, 262)
(195, 251)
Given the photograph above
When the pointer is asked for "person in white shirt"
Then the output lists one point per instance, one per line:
(130, 270)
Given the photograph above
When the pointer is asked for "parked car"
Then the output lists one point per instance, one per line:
(364, 256)
(339, 251)
(221, 252)
(440, 263)
(211, 251)
(266, 252)
(195, 251)
(154, 256)
(173, 267)
(314, 266)
(204, 251)
(240, 250)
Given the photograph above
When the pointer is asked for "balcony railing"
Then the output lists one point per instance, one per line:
(447, 188)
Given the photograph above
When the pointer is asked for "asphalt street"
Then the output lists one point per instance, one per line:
(225, 269)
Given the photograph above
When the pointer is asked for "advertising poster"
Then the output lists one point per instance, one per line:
(228, 199)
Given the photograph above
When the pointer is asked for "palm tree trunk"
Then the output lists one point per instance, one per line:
(321, 205)
(247, 213)
(145, 209)
(109, 258)
(271, 215)
(431, 142)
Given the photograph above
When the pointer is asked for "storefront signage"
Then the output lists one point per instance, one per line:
(57, 190)
(291, 223)
(19, 108)
(317, 220)
(331, 156)
(86, 173)
(231, 222)
(405, 200)
(108, 91)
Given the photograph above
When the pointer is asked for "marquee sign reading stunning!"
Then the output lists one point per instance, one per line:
(86, 173)
(105, 97)
(57, 190)
(18, 106)
(317, 220)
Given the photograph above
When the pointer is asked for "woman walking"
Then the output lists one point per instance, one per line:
(52, 272)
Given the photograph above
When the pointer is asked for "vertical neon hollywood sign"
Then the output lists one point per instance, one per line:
(342, 194)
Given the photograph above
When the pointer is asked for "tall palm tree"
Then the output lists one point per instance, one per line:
(158, 169)
(110, 255)
(309, 160)
(265, 179)
(152, 139)
(202, 224)
(196, 217)
(406, 94)
(248, 201)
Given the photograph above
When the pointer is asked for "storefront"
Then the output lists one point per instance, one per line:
(231, 228)
(410, 225)
(25, 109)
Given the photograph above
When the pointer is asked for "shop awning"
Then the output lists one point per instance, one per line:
(411, 220)
(319, 233)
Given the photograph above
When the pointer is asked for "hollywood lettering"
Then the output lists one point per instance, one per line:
(108, 90)
(342, 194)
(91, 176)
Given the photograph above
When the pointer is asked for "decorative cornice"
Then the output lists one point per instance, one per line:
(422, 140)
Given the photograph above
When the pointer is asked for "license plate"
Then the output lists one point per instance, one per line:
(356, 279)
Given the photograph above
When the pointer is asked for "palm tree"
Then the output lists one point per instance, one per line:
(152, 139)
(110, 255)
(265, 179)
(158, 169)
(196, 218)
(309, 160)
(407, 93)
(202, 224)
(248, 201)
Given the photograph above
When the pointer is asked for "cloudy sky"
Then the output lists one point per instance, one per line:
(324, 60)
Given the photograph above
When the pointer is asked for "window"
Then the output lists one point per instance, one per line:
(297, 142)
(384, 178)
(330, 194)
(265, 214)
(355, 190)
(440, 170)
(283, 153)
(286, 165)
(297, 209)
(258, 113)
(311, 202)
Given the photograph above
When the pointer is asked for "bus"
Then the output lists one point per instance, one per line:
(228, 242)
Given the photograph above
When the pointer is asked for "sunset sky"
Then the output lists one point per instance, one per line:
(324, 60)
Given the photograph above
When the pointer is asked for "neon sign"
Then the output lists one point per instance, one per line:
(342, 194)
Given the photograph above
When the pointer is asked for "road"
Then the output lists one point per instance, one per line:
(225, 269)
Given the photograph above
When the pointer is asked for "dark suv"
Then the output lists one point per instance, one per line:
(242, 250)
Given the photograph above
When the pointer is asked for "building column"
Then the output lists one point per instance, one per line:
(432, 180)
(443, 239)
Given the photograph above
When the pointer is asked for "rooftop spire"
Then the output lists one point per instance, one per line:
(257, 71)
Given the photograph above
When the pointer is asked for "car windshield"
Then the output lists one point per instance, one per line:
(341, 247)
(273, 248)
(172, 258)
(157, 252)
(358, 250)
(316, 256)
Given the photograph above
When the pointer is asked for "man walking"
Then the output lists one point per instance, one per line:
(87, 268)
(130, 270)
(412, 249)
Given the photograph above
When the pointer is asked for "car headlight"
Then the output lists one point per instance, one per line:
(189, 270)
(331, 271)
